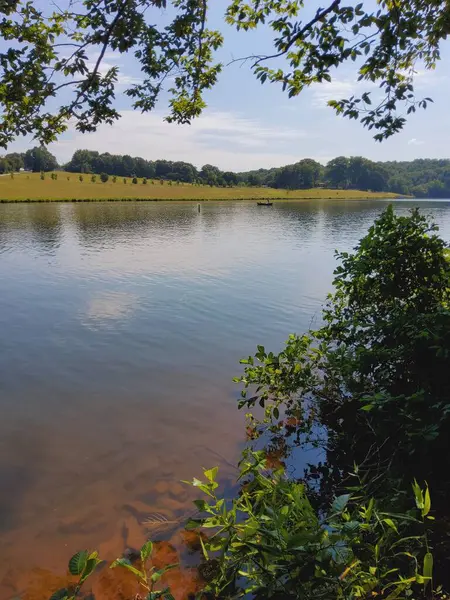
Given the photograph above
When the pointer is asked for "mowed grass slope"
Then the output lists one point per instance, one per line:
(68, 187)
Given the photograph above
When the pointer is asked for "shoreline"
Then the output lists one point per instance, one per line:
(255, 199)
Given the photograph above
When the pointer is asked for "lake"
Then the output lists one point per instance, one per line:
(122, 326)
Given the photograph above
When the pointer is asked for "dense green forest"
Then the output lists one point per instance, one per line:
(423, 178)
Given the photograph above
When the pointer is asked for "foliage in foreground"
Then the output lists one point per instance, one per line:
(176, 57)
(271, 543)
(376, 372)
(83, 564)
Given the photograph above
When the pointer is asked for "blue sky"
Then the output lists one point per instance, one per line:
(247, 125)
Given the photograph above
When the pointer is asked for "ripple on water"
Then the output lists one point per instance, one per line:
(121, 329)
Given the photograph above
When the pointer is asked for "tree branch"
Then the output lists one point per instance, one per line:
(94, 73)
(320, 14)
(200, 47)
(67, 83)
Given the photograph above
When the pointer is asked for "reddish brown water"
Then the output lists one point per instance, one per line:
(121, 329)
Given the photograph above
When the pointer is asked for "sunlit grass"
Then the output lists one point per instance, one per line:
(68, 187)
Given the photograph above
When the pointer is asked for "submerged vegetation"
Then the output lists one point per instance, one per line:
(371, 388)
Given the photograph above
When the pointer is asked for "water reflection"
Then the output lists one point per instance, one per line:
(109, 308)
(32, 225)
(121, 326)
(120, 223)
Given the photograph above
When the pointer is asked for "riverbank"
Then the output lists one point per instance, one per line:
(29, 187)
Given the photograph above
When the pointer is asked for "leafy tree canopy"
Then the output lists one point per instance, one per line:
(52, 72)
(39, 159)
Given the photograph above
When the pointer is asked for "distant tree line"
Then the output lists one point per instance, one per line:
(88, 161)
(423, 178)
(36, 159)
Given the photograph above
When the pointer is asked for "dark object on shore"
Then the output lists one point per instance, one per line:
(264, 203)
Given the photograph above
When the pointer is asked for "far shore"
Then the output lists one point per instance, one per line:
(256, 199)
(29, 187)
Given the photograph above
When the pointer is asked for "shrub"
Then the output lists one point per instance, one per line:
(114, 179)
(94, 178)
(134, 180)
(68, 178)
(144, 181)
(376, 372)
(270, 542)
(54, 176)
(153, 182)
(42, 175)
(81, 178)
(104, 177)
(124, 179)
(161, 181)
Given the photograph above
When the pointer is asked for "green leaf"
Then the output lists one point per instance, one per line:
(418, 495)
(428, 565)
(78, 562)
(156, 576)
(426, 503)
(205, 551)
(193, 524)
(369, 510)
(211, 474)
(124, 562)
(90, 567)
(201, 505)
(298, 540)
(390, 523)
(397, 591)
(167, 568)
(146, 550)
(340, 503)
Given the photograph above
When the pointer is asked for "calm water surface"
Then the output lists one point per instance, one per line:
(121, 327)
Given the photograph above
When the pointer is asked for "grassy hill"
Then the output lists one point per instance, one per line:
(29, 187)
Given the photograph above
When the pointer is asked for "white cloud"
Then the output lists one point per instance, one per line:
(334, 90)
(226, 139)
(415, 142)
(112, 59)
(338, 89)
(428, 78)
